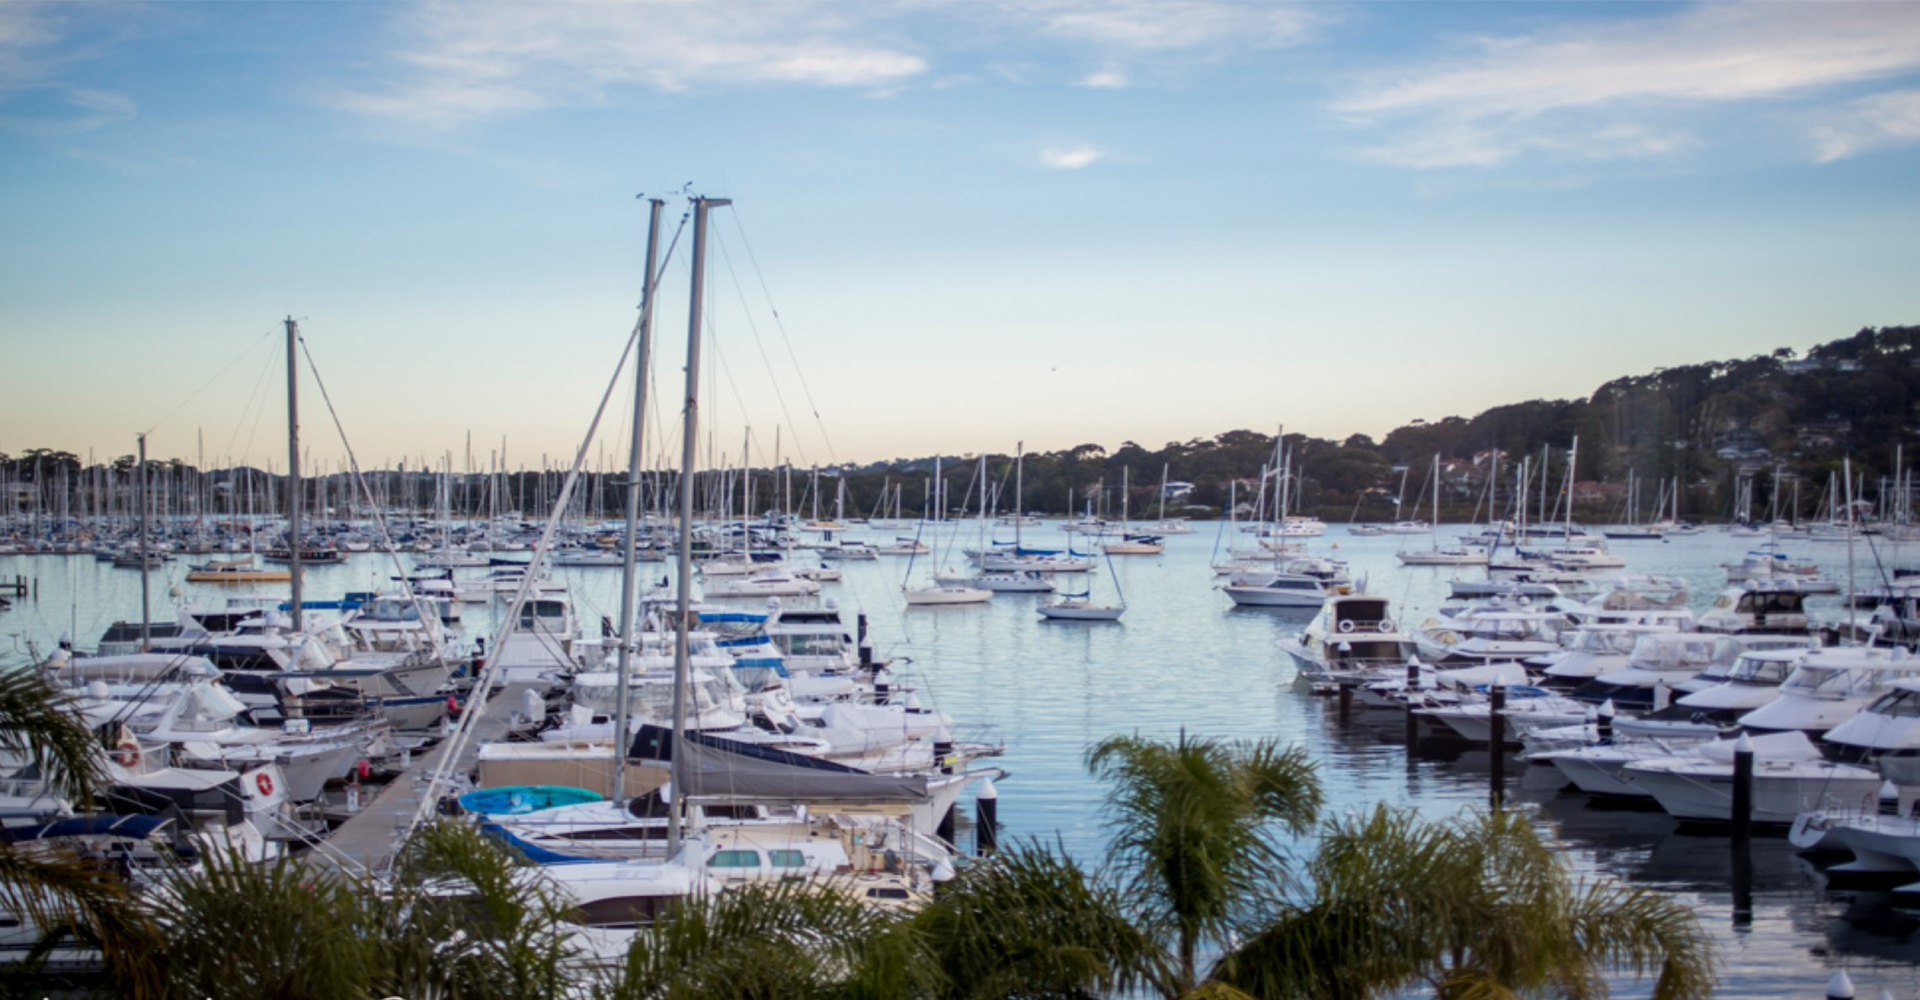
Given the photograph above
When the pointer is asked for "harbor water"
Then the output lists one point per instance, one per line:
(1184, 657)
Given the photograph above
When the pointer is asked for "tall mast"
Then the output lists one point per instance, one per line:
(293, 467)
(622, 696)
(689, 442)
(140, 490)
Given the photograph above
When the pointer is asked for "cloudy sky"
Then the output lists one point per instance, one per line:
(956, 225)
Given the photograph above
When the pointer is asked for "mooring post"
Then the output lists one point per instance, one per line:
(1496, 741)
(1743, 791)
(1413, 690)
(1840, 987)
(986, 804)
(1346, 702)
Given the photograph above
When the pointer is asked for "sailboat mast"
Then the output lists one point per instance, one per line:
(689, 442)
(146, 564)
(293, 468)
(628, 572)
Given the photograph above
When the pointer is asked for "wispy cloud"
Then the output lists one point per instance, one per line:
(468, 61)
(1106, 79)
(1165, 25)
(1590, 91)
(1889, 119)
(1069, 157)
(36, 52)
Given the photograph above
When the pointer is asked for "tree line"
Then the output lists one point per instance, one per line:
(1773, 417)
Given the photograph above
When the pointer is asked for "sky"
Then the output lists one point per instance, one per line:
(955, 225)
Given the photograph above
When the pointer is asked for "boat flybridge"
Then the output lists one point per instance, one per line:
(1488, 633)
(1351, 640)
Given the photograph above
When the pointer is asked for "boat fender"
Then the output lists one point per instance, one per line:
(264, 782)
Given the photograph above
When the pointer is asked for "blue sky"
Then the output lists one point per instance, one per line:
(977, 222)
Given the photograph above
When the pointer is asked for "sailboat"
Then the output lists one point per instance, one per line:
(1452, 555)
(938, 593)
(1131, 544)
(1081, 607)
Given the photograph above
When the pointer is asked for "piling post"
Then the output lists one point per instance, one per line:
(947, 823)
(1603, 721)
(986, 833)
(1346, 702)
(860, 627)
(1496, 741)
(1743, 792)
(1840, 987)
(1413, 690)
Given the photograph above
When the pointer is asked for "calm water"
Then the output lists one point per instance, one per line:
(1184, 656)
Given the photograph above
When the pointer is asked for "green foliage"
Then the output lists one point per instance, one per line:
(1472, 908)
(1032, 924)
(792, 940)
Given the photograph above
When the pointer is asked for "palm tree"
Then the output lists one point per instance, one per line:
(1032, 924)
(1193, 832)
(459, 917)
(50, 885)
(790, 940)
(1473, 907)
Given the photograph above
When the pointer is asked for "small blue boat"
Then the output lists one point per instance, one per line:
(514, 800)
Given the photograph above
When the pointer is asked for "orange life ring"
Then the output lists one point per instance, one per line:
(126, 753)
(264, 782)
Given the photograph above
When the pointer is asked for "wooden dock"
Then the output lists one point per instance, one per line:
(371, 836)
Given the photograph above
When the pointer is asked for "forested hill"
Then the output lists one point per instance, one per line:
(1707, 424)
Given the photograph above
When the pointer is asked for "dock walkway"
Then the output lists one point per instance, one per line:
(370, 837)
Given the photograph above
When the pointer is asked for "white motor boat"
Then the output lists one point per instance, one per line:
(1830, 686)
(1701, 787)
(763, 584)
(1297, 583)
(944, 594)
(1080, 609)
(1593, 650)
(1752, 681)
(1352, 638)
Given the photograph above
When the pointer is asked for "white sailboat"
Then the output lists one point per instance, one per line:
(938, 593)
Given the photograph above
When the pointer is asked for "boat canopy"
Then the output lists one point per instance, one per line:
(721, 768)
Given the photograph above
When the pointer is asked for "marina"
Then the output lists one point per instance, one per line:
(1183, 656)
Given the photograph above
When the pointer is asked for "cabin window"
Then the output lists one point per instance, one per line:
(887, 893)
(734, 859)
(622, 911)
(786, 859)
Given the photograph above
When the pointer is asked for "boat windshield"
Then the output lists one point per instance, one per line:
(1663, 653)
(1761, 670)
(1604, 641)
(1832, 682)
(1900, 703)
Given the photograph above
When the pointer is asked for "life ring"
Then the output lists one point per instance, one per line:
(1385, 625)
(1346, 626)
(126, 753)
(264, 782)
